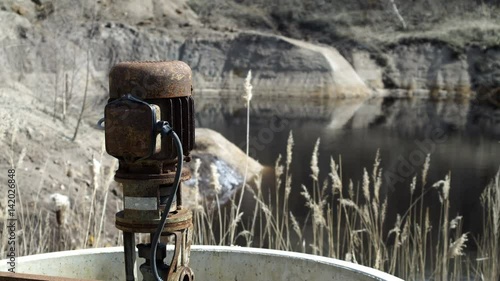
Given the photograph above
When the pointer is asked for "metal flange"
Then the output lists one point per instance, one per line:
(177, 220)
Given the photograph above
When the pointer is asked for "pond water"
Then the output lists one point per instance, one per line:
(462, 138)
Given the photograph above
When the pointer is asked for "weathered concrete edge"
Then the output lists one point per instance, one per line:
(363, 270)
(359, 269)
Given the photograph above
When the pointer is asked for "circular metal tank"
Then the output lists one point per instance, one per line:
(208, 262)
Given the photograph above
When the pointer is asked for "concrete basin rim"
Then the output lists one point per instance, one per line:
(359, 269)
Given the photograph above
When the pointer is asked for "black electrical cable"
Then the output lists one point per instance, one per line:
(167, 130)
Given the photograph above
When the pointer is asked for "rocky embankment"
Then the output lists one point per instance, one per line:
(220, 61)
(431, 69)
(47, 49)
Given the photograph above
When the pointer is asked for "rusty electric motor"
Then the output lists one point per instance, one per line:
(149, 128)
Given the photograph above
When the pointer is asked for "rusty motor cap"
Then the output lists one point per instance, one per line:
(150, 79)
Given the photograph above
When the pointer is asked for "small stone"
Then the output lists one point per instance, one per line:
(20, 10)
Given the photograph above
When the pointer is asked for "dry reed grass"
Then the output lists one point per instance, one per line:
(56, 222)
(348, 223)
(343, 222)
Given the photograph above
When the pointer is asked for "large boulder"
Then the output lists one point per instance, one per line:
(230, 161)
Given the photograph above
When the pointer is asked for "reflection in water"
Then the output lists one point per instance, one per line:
(461, 137)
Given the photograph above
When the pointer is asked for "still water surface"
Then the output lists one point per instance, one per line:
(462, 138)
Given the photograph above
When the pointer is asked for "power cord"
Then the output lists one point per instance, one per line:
(165, 130)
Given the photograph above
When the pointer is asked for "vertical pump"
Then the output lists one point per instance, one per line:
(149, 128)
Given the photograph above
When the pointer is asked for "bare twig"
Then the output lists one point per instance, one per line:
(398, 15)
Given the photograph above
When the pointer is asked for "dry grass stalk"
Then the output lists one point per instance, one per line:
(425, 169)
(95, 171)
(457, 246)
(489, 243)
(214, 183)
(289, 147)
(334, 176)
(314, 162)
(108, 180)
(366, 186)
(235, 210)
